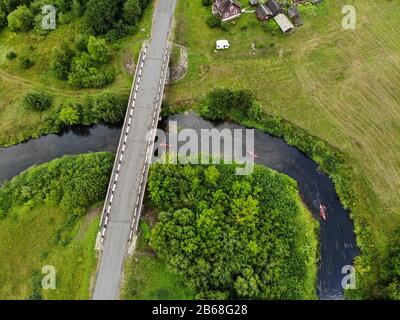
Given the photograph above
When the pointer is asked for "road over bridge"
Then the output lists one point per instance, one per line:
(128, 181)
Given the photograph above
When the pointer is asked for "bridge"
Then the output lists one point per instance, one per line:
(122, 208)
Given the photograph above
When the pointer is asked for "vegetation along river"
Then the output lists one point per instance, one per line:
(337, 240)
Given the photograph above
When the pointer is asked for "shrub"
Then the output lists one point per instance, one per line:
(11, 55)
(206, 3)
(21, 19)
(25, 63)
(81, 42)
(108, 107)
(37, 101)
(81, 77)
(213, 21)
(61, 62)
(222, 102)
(98, 50)
(71, 114)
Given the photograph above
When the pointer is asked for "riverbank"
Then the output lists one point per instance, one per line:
(49, 218)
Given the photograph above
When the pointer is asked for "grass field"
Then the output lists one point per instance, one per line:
(16, 124)
(341, 85)
(28, 242)
(147, 277)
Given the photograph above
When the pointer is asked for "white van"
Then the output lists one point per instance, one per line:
(222, 44)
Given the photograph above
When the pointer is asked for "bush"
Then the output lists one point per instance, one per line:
(213, 21)
(21, 19)
(206, 3)
(80, 77)
(71, 114)
(81, 42)
(108, 107)
(37, 101)
(98, 50)
(11, 55)
(220, 103)
(25, 63)
(61, 62)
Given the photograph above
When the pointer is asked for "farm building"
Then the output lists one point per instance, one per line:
(274, 7)
(264, 13)
(284, 23)
(227, 9)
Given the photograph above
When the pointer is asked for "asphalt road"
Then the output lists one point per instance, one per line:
(128, 186)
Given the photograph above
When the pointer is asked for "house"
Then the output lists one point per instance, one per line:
(274, 7)
(264, 13)
(294, 15)
(253, 3)
(284, 23)
(227, 9)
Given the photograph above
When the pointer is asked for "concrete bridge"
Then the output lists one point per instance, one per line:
(125, 194)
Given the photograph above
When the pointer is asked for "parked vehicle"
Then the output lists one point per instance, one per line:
(222, 44)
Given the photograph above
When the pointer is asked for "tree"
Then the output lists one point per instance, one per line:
(21, 19)
(102, 15)
(98, 50)
(132, 11)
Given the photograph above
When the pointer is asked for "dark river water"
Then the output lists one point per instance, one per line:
(337, 239)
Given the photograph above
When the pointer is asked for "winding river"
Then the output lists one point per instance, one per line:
(337, 239)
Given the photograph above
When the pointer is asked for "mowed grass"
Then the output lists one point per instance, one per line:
(148, 278)
(28, 242)
(340, 85)
(16, 124)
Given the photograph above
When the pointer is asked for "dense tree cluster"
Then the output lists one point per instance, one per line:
(233, 236)
(73, 182)
(108, 107)
(84, 66)
(115, 18)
